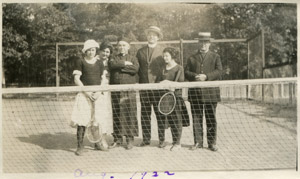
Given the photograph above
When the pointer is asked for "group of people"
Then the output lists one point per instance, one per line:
(151, 64)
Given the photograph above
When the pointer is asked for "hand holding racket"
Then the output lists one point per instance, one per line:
(167, 102)
(93, 132)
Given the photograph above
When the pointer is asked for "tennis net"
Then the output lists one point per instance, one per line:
(256, 128)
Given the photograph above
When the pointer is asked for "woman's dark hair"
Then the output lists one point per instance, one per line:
(172, 51)
(105, 45)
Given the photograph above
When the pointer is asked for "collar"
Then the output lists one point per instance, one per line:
(172, 66)
(152, 45)
(91, 61)
(203, 53)
(122, 54)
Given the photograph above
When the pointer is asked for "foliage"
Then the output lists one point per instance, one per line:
(15, 46)
(30, 32)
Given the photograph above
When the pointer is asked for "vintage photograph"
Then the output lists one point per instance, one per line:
(151, 89)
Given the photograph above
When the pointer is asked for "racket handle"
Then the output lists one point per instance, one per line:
(93, 112)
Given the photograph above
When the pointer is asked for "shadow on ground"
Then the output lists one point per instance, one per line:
(67, 141)
(58, 141)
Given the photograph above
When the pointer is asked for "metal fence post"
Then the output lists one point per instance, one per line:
(56, 68)
(181, 51)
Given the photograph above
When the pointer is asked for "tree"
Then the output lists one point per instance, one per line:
(30, 32)
(15, 40)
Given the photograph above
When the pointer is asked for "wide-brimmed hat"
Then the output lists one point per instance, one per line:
(89, 44)
(204, 36)
(156, 30)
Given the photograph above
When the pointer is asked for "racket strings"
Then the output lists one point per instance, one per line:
(93, 133)
(167, 103)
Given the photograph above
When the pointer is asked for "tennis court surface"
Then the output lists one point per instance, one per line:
(252, 135)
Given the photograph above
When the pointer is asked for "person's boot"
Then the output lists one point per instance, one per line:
(80, 136)
(129, 140)
(213, 148)
(98, 146)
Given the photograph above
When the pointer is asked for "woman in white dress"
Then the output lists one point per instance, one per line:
(105, 111)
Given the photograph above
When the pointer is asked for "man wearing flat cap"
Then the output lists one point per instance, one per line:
(204, 66)
(151, 63)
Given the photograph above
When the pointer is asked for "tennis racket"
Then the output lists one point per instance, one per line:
(93, 132)
(167, 102)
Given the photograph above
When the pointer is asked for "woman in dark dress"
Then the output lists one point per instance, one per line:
(87, 71)
(179, 115)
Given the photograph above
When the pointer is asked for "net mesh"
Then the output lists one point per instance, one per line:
(252, 133)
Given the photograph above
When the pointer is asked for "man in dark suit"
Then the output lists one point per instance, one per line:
(151, 64)
(123, 70)
(204, 66)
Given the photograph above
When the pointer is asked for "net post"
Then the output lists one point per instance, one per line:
(273, 93)
(263, 61)
(248, 91)
(138, 105)
(263, 93)
(185, 94)
(290, 94)
(248, 73)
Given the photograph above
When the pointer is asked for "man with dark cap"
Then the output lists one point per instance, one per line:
(204, 66)
(151, 63)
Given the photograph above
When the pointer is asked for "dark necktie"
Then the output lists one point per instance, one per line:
(149, 53)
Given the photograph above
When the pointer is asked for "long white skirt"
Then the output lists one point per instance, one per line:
(83, 111)
(104, 112)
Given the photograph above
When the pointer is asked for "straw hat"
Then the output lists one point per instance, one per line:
(204, 36)
(156, 30)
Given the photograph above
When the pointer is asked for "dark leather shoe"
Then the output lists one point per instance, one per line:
(196, 146)
(143, 144)
(213, 148)
(129, 141)
(162, 144)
